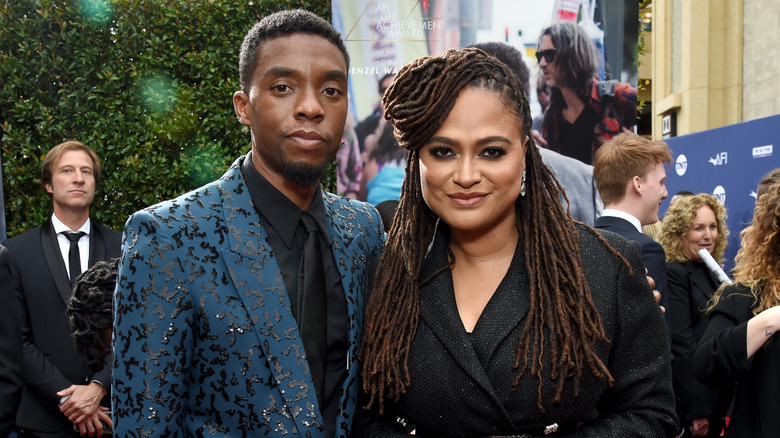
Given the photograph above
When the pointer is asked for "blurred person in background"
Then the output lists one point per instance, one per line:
(767, 180)
(693, 223)
(350, 162)
(740, 344)
(543, 96)
(583, 112)
(368, 125)
(10, 349)
(90, 312)
(383, 173)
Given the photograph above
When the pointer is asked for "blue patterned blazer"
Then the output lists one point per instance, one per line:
(205, 342)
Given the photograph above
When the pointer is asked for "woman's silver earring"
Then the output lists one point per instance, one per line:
(522, 185)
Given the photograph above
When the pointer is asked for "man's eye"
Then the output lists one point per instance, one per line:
(332, 91)
(281, 88)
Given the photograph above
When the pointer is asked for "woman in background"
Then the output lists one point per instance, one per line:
(741, 344)
(492, 312)
(693, 223)
(383, 173)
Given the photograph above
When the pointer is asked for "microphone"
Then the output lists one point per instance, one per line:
(713, 266)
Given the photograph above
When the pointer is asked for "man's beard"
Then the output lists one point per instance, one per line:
(304, 175)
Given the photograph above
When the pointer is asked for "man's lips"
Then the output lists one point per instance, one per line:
(307, 139)
(466, 199)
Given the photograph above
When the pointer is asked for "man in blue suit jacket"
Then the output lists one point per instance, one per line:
(631, 178)
(210, 335)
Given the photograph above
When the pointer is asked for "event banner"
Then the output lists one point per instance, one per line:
(384, 35)
(727, 162)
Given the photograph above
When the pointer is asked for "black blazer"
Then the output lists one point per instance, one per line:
(652, 252)
(461, 384)
(51, 361)
(10, 348)
(722, 356)
(691, 285)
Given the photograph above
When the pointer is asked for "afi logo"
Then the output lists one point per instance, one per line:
(720, 159)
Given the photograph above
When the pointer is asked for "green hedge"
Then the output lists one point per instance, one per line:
(147, 83)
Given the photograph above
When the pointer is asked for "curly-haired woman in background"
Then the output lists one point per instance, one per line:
(492, 311)
(740, 344)
(693, 223)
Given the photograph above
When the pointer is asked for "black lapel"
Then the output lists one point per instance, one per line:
(97, 244)
(439, 311)
(51, 251)
(701, 279)
(506, 309)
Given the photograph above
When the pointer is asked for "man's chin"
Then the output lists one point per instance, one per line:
(304, 175)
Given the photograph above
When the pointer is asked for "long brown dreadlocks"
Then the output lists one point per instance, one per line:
(562, 310)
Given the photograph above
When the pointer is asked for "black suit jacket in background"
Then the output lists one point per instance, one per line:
(691, 286)
(652, 252)
(10, 348)
(51, 362)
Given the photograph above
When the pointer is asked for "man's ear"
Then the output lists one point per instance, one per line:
(636, 185)
(242, 107)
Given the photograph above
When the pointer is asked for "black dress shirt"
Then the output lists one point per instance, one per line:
(281, 219)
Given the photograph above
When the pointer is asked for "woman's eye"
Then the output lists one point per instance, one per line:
(494, 152)
(441, 152)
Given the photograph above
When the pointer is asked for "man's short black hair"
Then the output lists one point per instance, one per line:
(510, 56)
(279, 24)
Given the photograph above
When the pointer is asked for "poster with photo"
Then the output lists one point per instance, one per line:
(384, 35)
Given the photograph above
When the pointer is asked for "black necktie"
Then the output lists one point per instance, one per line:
(312, 305)
(74, 257)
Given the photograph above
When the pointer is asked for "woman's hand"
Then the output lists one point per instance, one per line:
(538, 139)
(701, 427)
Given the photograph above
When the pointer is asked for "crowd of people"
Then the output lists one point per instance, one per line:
(493, 296)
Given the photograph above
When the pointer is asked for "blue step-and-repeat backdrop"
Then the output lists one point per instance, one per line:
(727, 162)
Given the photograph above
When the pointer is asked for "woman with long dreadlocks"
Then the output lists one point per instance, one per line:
(492, 312)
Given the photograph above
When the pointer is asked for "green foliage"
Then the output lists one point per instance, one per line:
(148, 84)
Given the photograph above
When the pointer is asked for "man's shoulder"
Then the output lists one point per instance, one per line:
(24, 239)
(626, 229)
(206, 197)
(348, 204)
(616, 225)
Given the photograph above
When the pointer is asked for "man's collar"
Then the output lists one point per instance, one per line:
(623, 215)
(60, 227)
(278, 210)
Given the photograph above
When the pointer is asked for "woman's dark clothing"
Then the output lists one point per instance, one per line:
(690, 286)
(722, 356)
(461, 383)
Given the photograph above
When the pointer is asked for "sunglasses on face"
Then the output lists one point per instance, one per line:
(548, 55)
